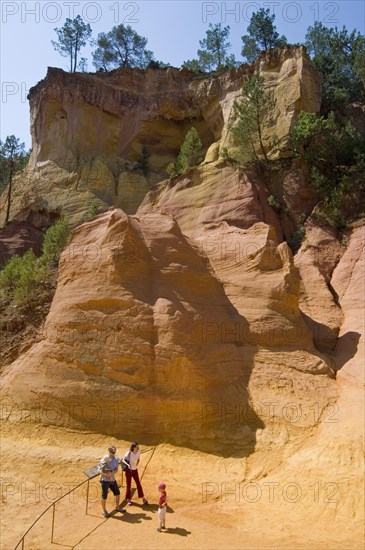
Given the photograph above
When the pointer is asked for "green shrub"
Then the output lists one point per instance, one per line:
(324, 141)
(29, 277)
(172, 170)
(23, 277)
(20, 277)
(335, 151)
(273, 202)
(190, 152)
(93, 210)
(143, 162)
(296, 238)
(10, 275)
(189, 155)
(224, 154)
(55, 240)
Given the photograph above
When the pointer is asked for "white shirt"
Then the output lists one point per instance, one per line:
(132, 458)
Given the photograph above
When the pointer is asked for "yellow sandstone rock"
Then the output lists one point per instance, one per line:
(88, 130)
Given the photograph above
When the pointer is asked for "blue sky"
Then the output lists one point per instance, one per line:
(173, 29)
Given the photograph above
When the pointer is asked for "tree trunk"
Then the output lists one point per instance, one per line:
(259, 132)
(76, 49)
(219, 54)
(9, 193)
(71, 58)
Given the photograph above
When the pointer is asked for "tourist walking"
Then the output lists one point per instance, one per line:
(131, 461)
(108, 467)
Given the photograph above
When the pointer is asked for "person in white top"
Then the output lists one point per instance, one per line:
(131, 460)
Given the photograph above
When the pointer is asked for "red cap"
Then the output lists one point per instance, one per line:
(161, 486)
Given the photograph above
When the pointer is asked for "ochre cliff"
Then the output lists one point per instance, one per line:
(88, 130)
(147, 315)
(181, 315)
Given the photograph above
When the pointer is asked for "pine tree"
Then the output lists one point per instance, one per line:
(337, 55)
(121, 47)
(213, 55)
(262, 35)
(71, 38)
(13, 158)
(250, 114)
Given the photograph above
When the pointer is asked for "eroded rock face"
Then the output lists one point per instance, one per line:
(294, 192)
(88, 130)
(213, 193)
(348, 283)
(213, 196)
(316, 260)
(147, 317)
(332, 297)
(17, 238)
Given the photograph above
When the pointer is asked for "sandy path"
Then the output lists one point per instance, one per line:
(216, 502)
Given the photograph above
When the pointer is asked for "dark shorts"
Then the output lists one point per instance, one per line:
(112, 485)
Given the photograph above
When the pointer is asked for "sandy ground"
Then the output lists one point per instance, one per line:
(313, 500)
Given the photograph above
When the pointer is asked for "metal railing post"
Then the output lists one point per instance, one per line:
(53, 515)
(87, 495)
(53, 506)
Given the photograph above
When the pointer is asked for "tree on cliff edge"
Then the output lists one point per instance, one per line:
(262, 35)
(339, 55)
(71, 38)
(12, 159)
(213, 55)
(121, 47)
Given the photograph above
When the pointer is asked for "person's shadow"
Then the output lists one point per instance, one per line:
(177, 531)
(131, 518)
(152, 507)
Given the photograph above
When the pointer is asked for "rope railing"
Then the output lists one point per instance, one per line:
(20, 544)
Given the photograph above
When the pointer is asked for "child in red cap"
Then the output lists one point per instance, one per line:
(162, 505)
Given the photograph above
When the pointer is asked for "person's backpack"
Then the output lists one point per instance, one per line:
(124, 466)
